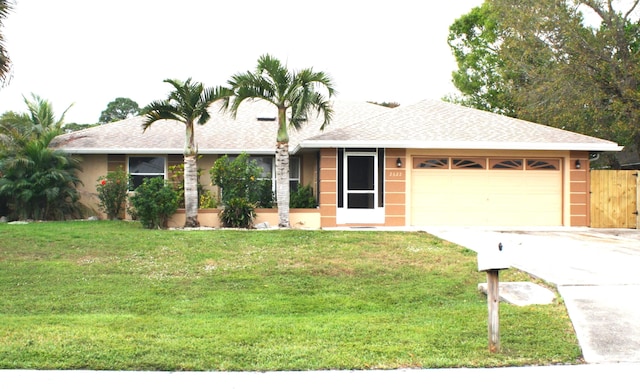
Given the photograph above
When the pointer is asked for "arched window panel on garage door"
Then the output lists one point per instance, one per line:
(469, 163)
(543, 164)
(506, 164)
(430, 163)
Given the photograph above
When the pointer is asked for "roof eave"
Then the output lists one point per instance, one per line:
(553, 146)
(82, 151)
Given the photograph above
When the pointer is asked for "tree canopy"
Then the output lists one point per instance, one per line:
(119, 109)
(547, 62)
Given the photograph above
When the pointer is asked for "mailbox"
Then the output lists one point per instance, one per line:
(493, 259)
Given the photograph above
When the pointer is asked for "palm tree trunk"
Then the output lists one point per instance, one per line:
(191, 191)
(282, 183)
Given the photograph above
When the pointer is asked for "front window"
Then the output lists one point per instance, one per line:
(267, 165)
(294, 174)
(145, 167)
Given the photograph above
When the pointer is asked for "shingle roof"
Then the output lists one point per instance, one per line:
(221, 134)
(427, 124)
(440, 125)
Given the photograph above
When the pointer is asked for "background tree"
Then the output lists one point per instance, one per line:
(119, 109)
(473, 39)
(187, 103)
(540, 61)
(5, 61)
(70, 127)
(295, 94)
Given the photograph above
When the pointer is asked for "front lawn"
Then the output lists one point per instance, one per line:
(111, 295)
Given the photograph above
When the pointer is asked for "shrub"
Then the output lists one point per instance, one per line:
(205, 200)
(303, 197)
(237, 178)
(112, 192)
(154, 203)
(264, 196)
(238, 213)
(241, 188)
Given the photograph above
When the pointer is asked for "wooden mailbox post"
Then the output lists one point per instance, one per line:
(491, 262)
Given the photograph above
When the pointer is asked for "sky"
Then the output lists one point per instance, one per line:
(88, 53)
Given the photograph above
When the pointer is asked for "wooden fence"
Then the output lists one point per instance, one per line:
(614, 199)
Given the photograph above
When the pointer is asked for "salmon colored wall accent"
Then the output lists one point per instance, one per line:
(579, 196)
(328, 187)
(395, 187)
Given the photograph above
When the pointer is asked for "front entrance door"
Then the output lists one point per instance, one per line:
(360, 183)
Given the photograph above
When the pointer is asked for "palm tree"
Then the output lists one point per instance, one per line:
(36, 182)
(292, 92)
(5, 62)
(188, 103)
(17, 129)
(39, 182)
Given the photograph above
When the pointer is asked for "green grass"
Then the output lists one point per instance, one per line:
(111, 295)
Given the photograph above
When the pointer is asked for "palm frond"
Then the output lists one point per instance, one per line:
(160, 110)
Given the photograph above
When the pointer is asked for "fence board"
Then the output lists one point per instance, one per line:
(614, 198)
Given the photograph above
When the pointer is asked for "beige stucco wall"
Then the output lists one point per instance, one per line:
(308, 171)
(96, 166)
(93, 167)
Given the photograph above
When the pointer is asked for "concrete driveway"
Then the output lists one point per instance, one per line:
(596, 271)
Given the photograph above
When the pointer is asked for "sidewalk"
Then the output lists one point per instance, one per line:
(583, 376)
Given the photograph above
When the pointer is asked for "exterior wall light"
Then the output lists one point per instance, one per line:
(578, 165)
(398, 162)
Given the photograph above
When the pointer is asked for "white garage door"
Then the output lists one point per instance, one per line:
(486, 191)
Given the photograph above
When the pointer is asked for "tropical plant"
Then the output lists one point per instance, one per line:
(295, 94)
(40, 183)
(188, 103)
(238, 212)
(36, 182)
(113, 192)
(153, 203)
(5, 61)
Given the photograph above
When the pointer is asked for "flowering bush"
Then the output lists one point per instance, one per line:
(112, 192)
